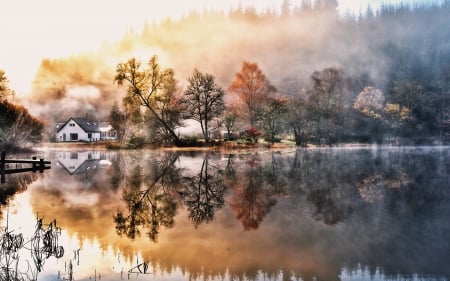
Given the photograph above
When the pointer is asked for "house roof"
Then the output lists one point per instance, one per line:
(85, 124)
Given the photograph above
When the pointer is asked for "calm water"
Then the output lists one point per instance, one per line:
(306, 214)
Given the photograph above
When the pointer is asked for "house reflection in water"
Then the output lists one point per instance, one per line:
(83, 162)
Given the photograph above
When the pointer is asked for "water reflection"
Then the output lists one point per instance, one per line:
(254, 189)
(309, 214)
(148, 198)
(24, 260)
(203, 193)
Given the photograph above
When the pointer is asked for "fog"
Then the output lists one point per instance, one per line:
(383, 46)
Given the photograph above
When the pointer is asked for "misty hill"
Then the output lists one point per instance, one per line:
(396, 44)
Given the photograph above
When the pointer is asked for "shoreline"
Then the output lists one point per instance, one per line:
(224, 148)
(217, 148)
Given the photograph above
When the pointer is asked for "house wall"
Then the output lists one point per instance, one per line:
(109, 135)
(73, 129)
(71, 161)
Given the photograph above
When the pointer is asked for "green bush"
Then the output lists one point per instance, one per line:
(136, 142)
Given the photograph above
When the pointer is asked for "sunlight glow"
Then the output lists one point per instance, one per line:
(34, 30)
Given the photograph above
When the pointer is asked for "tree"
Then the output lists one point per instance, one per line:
(4, 86)
(409, 93)
(229, 119)
(396, 115)
(203, 100)
(285, 8)
(327, 4)
(325, 102)
(253, 89)
(296, 119)
(119, 121)
(17, 126)
(370, 103)
(273, 118)
(154, 89)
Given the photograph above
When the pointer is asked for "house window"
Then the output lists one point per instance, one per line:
(89, 135)
(73, 155)
(73, 137)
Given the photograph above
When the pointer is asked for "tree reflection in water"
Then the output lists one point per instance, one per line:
(152, 194)
(309, 214)
(153, 206)
(203, 194)
(252, 195)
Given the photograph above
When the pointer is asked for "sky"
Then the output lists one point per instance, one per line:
(33, 30)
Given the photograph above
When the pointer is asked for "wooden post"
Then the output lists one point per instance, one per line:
(2, 166)
(41, 165)
(34, 164)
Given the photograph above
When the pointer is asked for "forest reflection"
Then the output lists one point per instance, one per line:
(335, 182)
(306, 213)
(154, 192)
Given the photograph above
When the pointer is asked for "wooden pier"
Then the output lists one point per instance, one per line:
(34, 165)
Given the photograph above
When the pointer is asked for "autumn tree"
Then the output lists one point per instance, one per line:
(17, 126)
(370, 105)
(370, 102)
(4, 86)
(397, 117)
(203, 101)
(154, 89)
(253, 89)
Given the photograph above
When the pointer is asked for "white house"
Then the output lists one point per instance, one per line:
(82, 129)
(82, 162)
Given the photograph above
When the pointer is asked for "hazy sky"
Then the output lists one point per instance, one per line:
(32, 30)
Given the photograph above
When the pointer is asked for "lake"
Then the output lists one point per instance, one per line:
(369, 213)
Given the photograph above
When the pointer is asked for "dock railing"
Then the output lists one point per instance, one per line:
(34, 165)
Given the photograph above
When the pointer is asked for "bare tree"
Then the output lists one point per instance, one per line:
(297, 119)
(229, 119)
(203, 100)
(154, 89)
(274, 117)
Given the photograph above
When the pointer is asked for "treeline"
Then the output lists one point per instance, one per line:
(385, 75)
(18, 128)
(382, 76)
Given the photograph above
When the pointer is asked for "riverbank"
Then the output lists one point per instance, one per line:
(225, 146)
